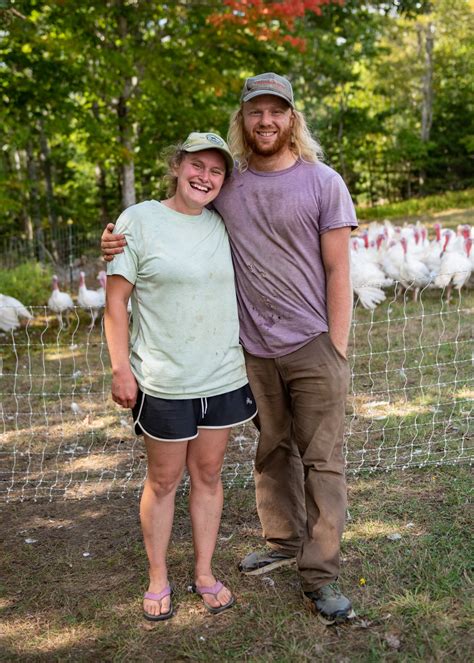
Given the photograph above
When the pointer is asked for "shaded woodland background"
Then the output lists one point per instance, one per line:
(92, 91)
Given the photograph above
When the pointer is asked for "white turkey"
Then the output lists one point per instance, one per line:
(455, 268)
(102, 278)
(367, 277)
(413, 271)
(92, 300)
(432, 251)
(59, 302)
(393, 256)
(11, 310)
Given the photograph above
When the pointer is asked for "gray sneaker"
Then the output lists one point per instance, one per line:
(329, 604)
(257, 563)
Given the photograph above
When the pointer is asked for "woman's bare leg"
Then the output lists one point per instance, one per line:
(166, 461)
(205, 456)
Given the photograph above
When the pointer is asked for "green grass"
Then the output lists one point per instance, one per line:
(419, 206)
(29, 282)
(58, 605)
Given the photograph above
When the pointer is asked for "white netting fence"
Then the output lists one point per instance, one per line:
(410, 402)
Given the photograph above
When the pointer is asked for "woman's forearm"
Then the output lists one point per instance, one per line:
(116, 333)
(124, 385)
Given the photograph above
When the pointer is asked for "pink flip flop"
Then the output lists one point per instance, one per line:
(214, 590)
(167, 591)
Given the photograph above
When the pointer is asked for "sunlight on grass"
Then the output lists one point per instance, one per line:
(466, 393)
(98, 489)
(417, 405)
(438, 204)
(93, 462)
(52, 354)
(53, 641)
(50, 523)
(416, 604)
(400, 408)
(68, 427)
(374, 529)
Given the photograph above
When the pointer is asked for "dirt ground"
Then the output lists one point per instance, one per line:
(74, 573)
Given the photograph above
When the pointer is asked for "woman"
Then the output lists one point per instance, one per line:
(184, 376)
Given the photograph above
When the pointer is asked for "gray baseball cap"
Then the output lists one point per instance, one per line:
(197, 142)
(268, 83)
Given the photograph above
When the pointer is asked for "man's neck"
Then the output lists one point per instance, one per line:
(279, 161)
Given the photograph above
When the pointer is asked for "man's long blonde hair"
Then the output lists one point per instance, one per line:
(302, 144)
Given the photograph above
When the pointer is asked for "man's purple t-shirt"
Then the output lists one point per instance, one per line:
(274, 221)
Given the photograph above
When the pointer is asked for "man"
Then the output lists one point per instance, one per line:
(289, 219)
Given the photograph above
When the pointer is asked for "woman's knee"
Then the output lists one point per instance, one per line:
(206, 473)
(162, 486)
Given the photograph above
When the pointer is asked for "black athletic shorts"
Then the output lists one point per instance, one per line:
(179, 420)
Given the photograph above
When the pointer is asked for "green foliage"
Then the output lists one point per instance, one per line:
(30, 283)
(89, 89)
(419, 206)
(363, 76)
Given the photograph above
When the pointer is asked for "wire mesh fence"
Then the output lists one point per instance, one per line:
(61, 247)
(410, 401)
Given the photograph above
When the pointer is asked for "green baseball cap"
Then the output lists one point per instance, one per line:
(197, 142)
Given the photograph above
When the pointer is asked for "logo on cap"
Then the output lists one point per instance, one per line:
(267, 83)
(212, 138)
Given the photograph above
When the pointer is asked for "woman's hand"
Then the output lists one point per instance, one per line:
(111, 244)
(124, 388)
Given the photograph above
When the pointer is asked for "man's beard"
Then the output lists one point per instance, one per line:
(281, 142)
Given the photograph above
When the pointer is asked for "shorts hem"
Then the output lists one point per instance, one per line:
(237, 423)
(162, 439)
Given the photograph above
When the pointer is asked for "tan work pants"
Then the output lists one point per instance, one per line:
(299, 464)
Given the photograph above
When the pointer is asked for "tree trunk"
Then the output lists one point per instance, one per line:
(388, 193)
(25, 218)
(49, 188)
(35, 202)
(427, 89)
(126, 142)
(126, 132)
(427, 104)
(340, 135)
(371, 186)
(102, 187)
(48, 178)
(101, 179)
